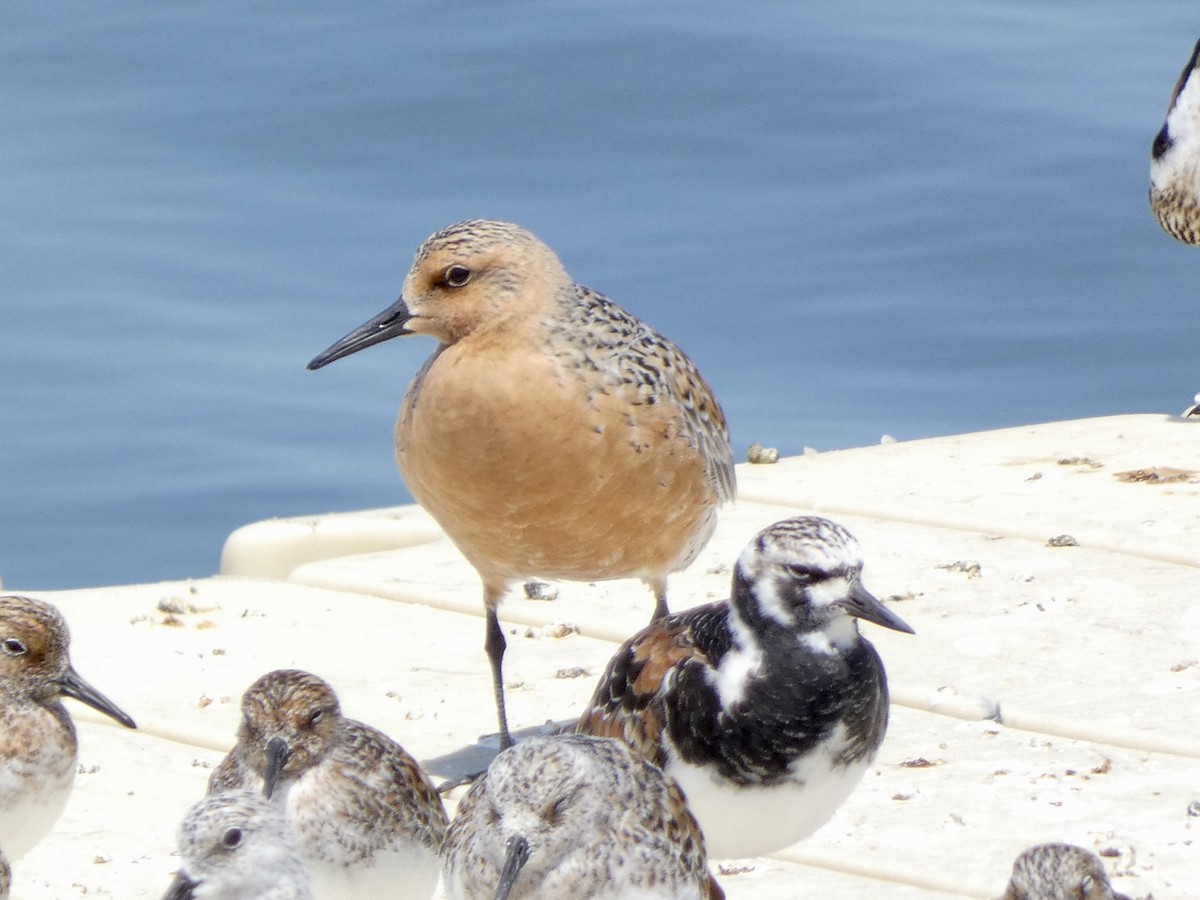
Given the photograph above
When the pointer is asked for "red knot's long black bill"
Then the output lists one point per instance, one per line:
(388, 324)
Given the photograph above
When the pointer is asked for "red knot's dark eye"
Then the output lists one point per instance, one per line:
(456, 276)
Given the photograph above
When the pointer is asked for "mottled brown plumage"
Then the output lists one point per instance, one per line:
(573, 816)
(551, 433)
(363, 810)
(1059, 872)
(38, 746)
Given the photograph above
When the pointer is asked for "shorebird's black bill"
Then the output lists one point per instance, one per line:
(75, 687)
(182, 888)
(278, 752)
(864, 605)
(388, 324)
(517, 856)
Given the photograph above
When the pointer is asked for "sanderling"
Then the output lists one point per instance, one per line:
(551, 433)
(1059, 872)
(236, 845)
(575, 816)
(38, 746)
(767, 708)
(368, 820)
(1175, 159)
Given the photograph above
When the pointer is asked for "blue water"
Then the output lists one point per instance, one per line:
(912, 217)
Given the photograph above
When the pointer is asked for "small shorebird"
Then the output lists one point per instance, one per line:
(38, 746)
(368, 820)
(574, 816)
(551, 433)
(235, 845)
(766, 708)
(1059, 872)
(1175, 159)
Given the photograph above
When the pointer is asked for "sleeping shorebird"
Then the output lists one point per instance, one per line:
(39, 750)
(1059, 872)
(766, 708)
(368, 820)
(1175, 159)
(573, 816)
(551, 433)
(235, 845)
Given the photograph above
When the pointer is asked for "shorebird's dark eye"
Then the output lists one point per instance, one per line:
(13, 647)
(803, 574)
(231, 838)
(456, 276)
(556, 808)
(316, 718)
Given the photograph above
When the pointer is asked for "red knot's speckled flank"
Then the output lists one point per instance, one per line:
(368, 820)
(235, 845)
(1175, 159)
(575, 816)
(38, 748)
(551, 433)
(1059, 872)
(766, 708)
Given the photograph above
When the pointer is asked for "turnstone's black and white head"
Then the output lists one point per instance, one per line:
(805, 574)
(767, 708)
(1175, 158)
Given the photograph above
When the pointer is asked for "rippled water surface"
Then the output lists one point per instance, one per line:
(913, 218)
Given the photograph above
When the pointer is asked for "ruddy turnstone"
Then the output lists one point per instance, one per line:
(766, 708)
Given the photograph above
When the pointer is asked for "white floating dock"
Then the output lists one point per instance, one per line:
(1051, 693)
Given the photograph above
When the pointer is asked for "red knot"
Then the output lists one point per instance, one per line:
(766, 708)
(368, 820)
(551, 434)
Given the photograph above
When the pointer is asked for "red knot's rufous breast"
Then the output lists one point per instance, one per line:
(574, 816)
(1059, 872)
(236, 845)
(551, 434)
(38, 746)
(368, 820)
(766, 708)
(1175, 159)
